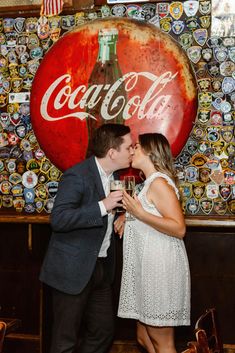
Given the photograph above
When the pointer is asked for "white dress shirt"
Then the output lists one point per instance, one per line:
(105, 179)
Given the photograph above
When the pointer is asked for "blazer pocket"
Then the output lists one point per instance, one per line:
(66, 248)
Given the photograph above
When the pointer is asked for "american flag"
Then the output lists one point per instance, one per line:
(51, 7)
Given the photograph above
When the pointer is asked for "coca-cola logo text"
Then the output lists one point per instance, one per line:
(86, 98)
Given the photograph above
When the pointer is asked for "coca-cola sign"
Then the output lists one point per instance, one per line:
(111, 70)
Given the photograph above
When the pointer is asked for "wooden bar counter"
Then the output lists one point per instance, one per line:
(190, 221)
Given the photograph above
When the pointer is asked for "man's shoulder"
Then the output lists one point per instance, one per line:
(82, 166)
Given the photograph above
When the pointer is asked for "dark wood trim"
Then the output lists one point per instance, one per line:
(104, 2)
(25, 219)
(227, 222)
(23, 337)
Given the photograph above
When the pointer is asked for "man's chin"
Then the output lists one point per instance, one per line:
(127, 166)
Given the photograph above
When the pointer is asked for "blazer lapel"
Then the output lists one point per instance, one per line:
(96, 175)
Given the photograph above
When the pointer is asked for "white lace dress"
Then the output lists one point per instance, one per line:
(155, 286)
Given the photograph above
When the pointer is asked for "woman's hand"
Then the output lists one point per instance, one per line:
(119, 225)
(132, 205)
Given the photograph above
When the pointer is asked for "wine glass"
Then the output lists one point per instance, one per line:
(114, 186)
(129, 183)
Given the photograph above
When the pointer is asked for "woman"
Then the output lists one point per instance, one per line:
(155, 287)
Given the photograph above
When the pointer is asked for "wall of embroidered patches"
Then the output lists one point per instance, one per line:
(206, 165)
(28, 180)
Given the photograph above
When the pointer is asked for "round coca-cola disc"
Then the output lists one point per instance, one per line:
(150, 76)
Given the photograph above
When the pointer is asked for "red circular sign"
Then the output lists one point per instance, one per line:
(111, 70)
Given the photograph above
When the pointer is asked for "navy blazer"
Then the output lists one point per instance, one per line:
(78, 230)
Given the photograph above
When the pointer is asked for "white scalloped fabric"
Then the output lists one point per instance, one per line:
(155, 286)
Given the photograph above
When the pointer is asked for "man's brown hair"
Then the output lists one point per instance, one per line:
(108, 136)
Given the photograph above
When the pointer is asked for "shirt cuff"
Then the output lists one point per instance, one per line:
(102, 209)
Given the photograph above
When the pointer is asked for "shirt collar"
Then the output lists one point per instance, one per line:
(101, 170)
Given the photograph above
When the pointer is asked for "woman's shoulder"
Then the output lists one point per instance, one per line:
(159, 176)
(161, 180)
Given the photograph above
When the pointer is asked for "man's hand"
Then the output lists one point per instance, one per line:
(113, 200)
(119, 225)
(132, 205)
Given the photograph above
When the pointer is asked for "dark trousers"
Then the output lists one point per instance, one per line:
(91, 310)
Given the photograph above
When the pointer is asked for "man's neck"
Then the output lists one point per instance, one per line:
(106, 165)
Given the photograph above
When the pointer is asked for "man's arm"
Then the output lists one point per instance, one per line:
(73, 209)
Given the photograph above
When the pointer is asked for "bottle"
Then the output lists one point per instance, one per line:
(106, 72)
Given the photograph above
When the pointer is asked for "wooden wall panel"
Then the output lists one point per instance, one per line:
(212, 262)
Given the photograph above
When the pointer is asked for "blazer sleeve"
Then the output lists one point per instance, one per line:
(76, 204)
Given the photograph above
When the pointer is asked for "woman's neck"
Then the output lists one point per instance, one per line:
(149, 171)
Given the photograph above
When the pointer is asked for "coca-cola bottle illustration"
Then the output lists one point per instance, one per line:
(108, 105)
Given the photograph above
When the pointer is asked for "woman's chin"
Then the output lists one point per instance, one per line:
(134, 165)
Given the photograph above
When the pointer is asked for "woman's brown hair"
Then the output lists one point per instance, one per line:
(158, 148)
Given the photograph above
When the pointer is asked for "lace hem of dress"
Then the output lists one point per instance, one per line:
(155, 322)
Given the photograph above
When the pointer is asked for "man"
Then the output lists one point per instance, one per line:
(79, 264)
